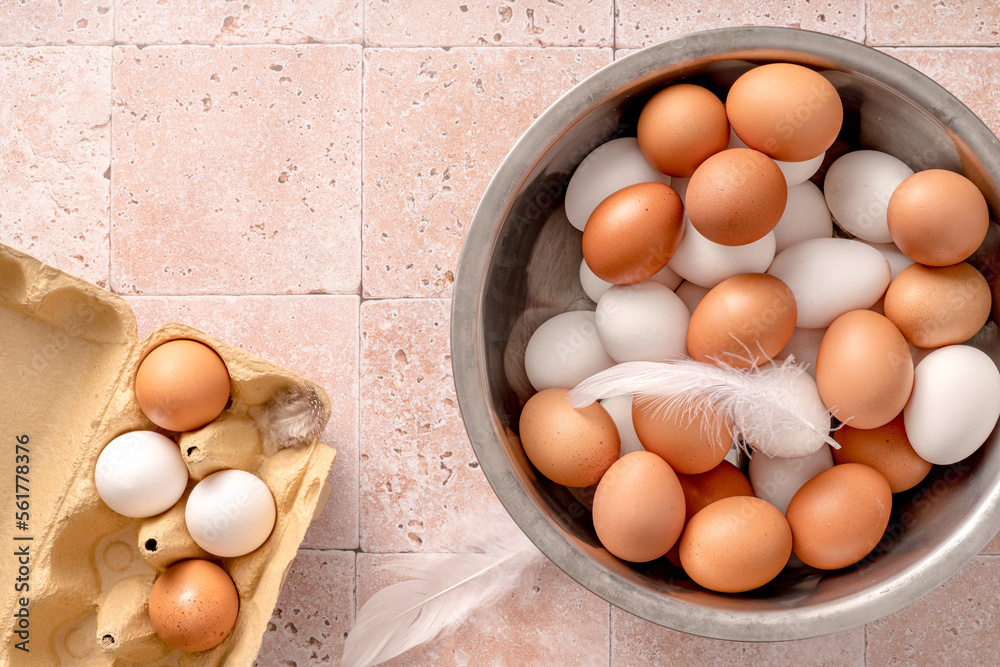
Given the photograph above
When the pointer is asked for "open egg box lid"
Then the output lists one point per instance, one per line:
(68, 355)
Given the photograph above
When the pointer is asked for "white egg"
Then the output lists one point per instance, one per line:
(799, 394)
(593, 286)
(691, 294)
(564, 351)
(644, 321)
(858, 186)
(230, 513)
(776, 479)
(954, 405)
(794, 172)
(609, 168)
(667, 277)
(806, 216)
(803, 346)
(140, 474)
(620, 409)
(707, 263)
(897, 258)
(829, 277)
(680, 186)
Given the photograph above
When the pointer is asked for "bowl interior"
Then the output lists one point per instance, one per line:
(520, 266)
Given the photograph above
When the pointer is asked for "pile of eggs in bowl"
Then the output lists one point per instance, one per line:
(705, 242)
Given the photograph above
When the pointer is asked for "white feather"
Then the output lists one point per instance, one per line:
(292, 417)
(435, 599)
(774, 407)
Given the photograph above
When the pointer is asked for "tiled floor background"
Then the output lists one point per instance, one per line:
(297, 177)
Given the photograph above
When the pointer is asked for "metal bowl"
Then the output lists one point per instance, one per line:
(519, 266)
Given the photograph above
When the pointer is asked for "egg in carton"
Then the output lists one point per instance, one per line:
(81, 574)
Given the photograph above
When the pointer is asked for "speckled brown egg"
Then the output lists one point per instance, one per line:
(681, 126)
(639, 508)
(864, 370)
(691, 438)
(736, 544)
(885, 448)
(193, 605)
(839, 516)
(743, 321)
(633, 233)
(736, 197)
(934, 306)
(703, 489)
(182, 385)
(787, 111)
(570, 446)
(937, 217)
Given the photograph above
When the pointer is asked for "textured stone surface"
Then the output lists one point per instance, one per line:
(220, 185)
(933, 22)
(314, 612)
(457, 22)
(314, 336)
(418, 470)
(956, 623)
(437, 125)
(969, 74)
(55, 148)
(645, 22)
(636, 643)
(547, 619)
(253, 22)
(37, 22)
(236, 170)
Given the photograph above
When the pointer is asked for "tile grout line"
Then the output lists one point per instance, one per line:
(111, 146)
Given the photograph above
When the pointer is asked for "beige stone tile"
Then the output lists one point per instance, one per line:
(437, 125)
(38, 22)
(418, 469)
(993, 547)
(956, 623)
(236, 170)
(645, 22)
(933, 23)
(636, 642)
(314, 613)
(492, 23)
(548, 619)
(258, 22)
(55, 148)
(968, 73)
(315, 336)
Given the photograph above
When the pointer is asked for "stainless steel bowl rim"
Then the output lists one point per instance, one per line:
(484, 430)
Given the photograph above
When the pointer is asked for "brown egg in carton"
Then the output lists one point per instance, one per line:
(78, 594)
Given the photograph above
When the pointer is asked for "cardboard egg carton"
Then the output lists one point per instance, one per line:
(75, 576)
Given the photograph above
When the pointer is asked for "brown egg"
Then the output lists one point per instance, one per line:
(193, 605)
(736, 544)
(680, 126)
(885, 448)
(182, 385)
(743, 321)
(937, 217)
(682, 437)
(703, 489)
(633, 233)
(569, 446)
(787, 111)
(639, 508)
(839, 516)
(736, 197)
(934, 306)
(864, 371)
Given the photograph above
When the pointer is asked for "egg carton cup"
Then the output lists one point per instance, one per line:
(68, 359)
